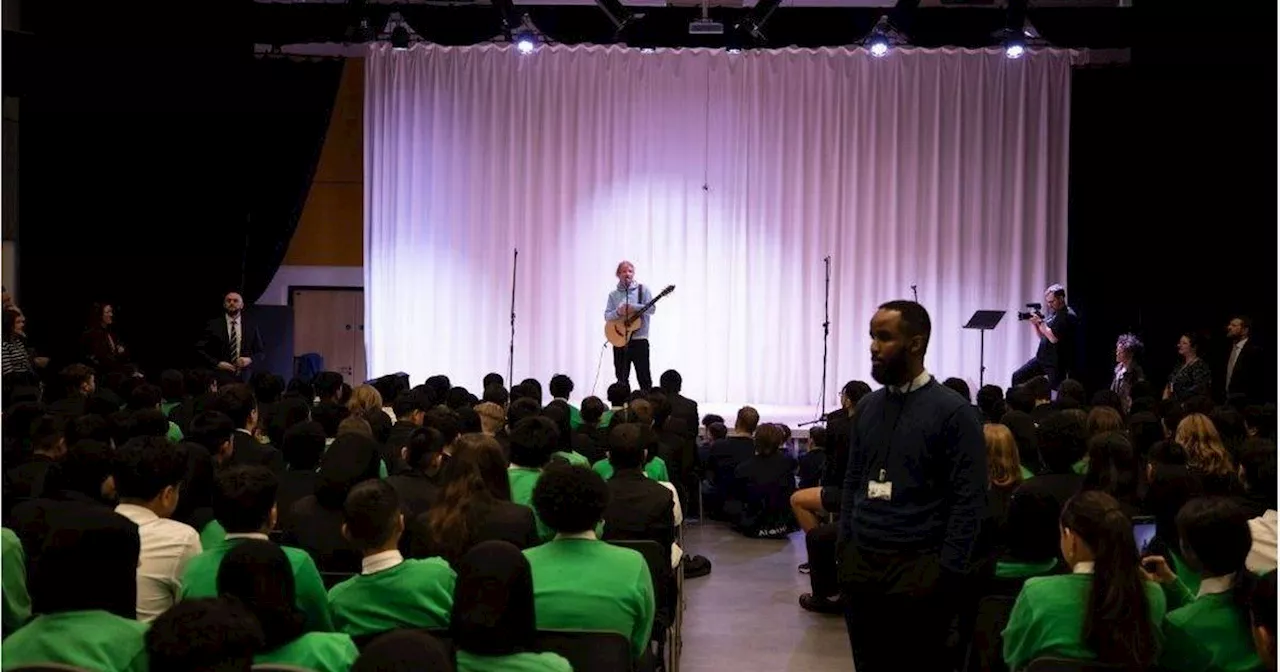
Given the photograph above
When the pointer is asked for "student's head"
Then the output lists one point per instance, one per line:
(1214, 535)
(245, 500)
(350, 460)
(1113, 467)
(1262, 618)
(617, 394)
(521, 409)
(148, 472)
(372, 520)
(303, 445)
(424, 449)
(492, 417)
(991, 403)
(260, 576)
(671, 381)
(445, 421)
(747, 421)
(404, 651)
(357, 425)
(204, 635)
(558, 413)
(1033, 526)
(238, 403)
(1061, 439)
(532, 442)
(1144, 431)
(1258, 470)
(1040, 389)
(626, 447)
(472, 480)
(899, 338)
(1003, 467)
(89, 564)
(86, 469)
(561, 386)
(363, 398)
(496, 394)
(570, 499)
(959, 386)
(408, 408)
(330, 415)
(493, 610)
(1116, 621)
(768, 439)
(592, 410)
(1103, 419)
(213, 430)
(817, 438)
(1206, 453)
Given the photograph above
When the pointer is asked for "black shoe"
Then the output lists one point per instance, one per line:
(804, 568)
(821, 605)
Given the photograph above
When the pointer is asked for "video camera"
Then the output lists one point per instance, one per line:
(1034, 312)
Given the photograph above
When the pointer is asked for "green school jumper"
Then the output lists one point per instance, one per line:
(13, 582)
(1024, 570)
(572, 457)
(655, 468)
(1027, 474)
(1048, 619)
(315, 651)
(93, 640)
(212, 534)
(1209, 632)
(522, 481)
(516, 662)
(201, 580)
(412, 594)
(585, 584)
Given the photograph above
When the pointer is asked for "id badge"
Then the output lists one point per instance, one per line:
(880, 488)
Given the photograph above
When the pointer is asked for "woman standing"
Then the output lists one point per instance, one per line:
(1127, 370)
(1192, 378)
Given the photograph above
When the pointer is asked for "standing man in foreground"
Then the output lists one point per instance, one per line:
(625, 299)
(913, 496)
(231, 343)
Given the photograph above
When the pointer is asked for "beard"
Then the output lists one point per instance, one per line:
(891, 371)
(232, 312)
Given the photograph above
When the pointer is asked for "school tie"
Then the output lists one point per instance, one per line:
(234, 342)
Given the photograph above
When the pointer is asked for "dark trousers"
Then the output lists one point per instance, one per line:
(889, 596)
(637, 352)
(821, 545)
(1034, 368)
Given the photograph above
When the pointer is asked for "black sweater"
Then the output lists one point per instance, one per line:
(931, 447)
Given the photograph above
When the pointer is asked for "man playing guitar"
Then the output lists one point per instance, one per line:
(626, 299)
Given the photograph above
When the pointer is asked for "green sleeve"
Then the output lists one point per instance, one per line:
(644, 627)
(174, 434)
(212, 535)
(140, 662)
(1177, 594)
(575, 418)
(1020, 639)
(13, 582)
(1182, 652)
(311, 596)
(656, 469)
(382, 469)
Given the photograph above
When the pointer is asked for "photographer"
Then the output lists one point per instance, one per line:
(1057, 332)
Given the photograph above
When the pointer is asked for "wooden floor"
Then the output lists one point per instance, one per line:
(744, 616)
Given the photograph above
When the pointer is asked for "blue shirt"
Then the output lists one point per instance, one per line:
(636, 295)
(931, 448)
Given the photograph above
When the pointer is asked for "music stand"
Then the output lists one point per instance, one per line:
(983, 321)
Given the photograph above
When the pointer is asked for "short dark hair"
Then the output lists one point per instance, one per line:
(406, 404)
(570, 499)
(1061, 438)
(444, 421)
(203, 635)
(592, 410)
(617, 393)
(330, 415)
(532, 441)
(492, 379)
(211, 429)
(671, 381)
(561, 385)
(960, 386)
(496, 394)
(424, 442)
(146, 465)
(915, 319)
(144, 396)
(237, 401)
(626, 447)
(520, 409)
(370, 512)
(244, 498)
(1216, 531)
(328, 384)
(303, 445)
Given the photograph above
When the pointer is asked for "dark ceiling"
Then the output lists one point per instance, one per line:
(1076, 27)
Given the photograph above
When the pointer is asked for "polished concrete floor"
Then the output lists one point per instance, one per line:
(744, 616)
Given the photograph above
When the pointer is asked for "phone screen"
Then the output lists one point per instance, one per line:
(1144, 531)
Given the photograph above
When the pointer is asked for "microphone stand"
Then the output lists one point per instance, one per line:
(511, 348)
(826, 332)
(914, 296)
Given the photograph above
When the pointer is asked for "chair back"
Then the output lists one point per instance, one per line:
(588, 650)
(664, 579)
(1069, 665)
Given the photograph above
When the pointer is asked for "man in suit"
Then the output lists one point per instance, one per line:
(1244, 379)
(231, 343)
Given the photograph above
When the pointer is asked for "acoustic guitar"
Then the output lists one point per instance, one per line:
(618, 332)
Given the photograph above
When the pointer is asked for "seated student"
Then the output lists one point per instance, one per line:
(390, 592)
(592, 428)
(532, 442)
(763, 485)
(1031, 545)
(81, 483)
(245, 505)
(418, 482)
(1262, 616)
(315, 522)
(405, 651)
(654, 466)
(204, 635)
(493, 613)
(83, 587)
(148, 473)
(303, 445)
(558, 413)
(579, 582)
(1258, 472)
(639, 507)
(260, 575)
(1209, 631)
(1103, 610)
(810, 465)
(474, 506)
(1061, 441)
(16, 605)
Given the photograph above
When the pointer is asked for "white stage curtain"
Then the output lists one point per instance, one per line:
(730, 176)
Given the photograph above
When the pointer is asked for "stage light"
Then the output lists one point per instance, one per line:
(879, 48)
(648, 50)
(884, 36)
(525, 44)
(1014, 50)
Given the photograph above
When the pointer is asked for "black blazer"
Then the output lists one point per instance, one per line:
(247, 451)
(686, 409)
(639, 509)
(216, 341)
(1249, 380)
(500, 521)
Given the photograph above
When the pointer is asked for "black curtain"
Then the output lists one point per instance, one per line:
(292, 102)
(1172, 223)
